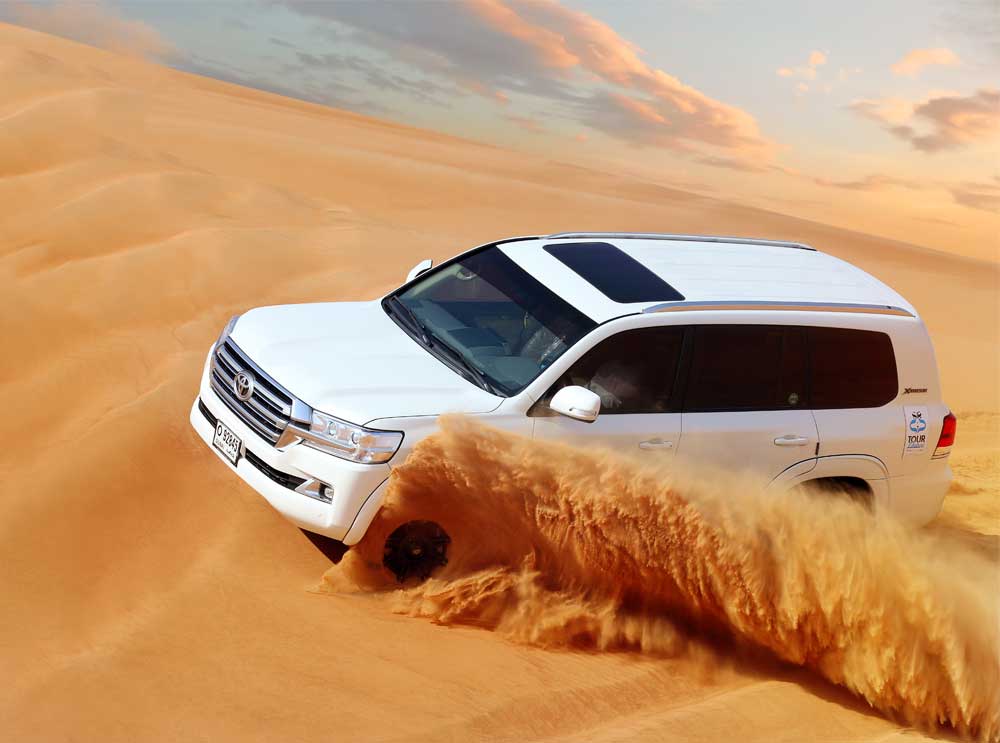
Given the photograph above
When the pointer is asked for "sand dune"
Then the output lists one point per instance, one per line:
(149, 596)
(559, 547)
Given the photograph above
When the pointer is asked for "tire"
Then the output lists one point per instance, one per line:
(850, 488)
(415, 550)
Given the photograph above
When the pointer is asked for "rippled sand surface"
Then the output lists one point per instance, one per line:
(148, 595)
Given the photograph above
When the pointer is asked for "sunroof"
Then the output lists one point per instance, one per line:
(617, 275)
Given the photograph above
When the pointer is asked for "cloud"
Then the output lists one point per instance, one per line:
(373, 75)
(937, 220)
(891, 111)
(939, 123)
(846, 73)
(327, 93)
(282, 43)
(874, 182)
(732, 164)
(93, 23)
(979, 21)
(983, 195)
(915, 60)
(816, 59)
(806, 71)
(583, 67)
(530, 125)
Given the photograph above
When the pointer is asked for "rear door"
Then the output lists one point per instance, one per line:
(634, 372)
(854, 386)
(745, 402)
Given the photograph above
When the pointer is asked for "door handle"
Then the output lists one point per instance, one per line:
(791, 439)
(656, 444)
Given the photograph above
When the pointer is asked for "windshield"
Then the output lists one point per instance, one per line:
(492, 320)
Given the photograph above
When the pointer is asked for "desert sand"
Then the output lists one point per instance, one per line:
(149, 595)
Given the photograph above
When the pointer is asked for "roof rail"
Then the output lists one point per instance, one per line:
(664, 236)
(771, 306)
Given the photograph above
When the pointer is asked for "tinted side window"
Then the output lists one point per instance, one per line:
(746, 367)
(633, 371)
(851, 368)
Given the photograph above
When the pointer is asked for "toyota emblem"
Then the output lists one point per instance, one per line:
(243, 385)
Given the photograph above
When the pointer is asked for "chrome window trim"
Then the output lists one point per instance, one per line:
(677, 237)
(763, 305)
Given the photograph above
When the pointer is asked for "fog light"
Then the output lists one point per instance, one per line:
(316, 489)
(326, 493)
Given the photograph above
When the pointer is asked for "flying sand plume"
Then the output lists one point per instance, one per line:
(557, 546)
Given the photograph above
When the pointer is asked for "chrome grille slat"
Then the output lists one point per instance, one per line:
(249, 413)
(269, 408)
(234, 405)
(275, 420)
(232, 365)
(225, 366)
(272, 389)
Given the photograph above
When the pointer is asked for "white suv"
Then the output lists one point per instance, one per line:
(753, 353)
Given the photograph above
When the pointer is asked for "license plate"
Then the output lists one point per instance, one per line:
(227, 442)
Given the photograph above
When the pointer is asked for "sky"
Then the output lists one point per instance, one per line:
(882, 116)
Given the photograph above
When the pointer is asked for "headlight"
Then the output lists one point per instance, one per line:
(348, 441)
(226, 331)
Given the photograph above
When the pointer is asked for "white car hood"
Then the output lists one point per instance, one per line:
(349, 359)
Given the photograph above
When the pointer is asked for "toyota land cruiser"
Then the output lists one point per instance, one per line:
(761, 354)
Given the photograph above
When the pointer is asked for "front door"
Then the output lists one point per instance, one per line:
(634, 372)
(745, 400)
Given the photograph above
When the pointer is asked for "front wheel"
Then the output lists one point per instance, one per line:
(415, 550)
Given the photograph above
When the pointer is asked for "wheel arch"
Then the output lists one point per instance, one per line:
(842, 470)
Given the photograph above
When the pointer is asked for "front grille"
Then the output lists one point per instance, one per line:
(269, 408)
(282, 478)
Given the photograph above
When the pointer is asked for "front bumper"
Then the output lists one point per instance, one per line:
(274, 473)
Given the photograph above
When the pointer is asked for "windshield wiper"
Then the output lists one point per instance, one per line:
(431, 340)
(477, 375)
(412, 319)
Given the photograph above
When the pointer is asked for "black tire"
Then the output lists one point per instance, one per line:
(850, 488)
(415, 550)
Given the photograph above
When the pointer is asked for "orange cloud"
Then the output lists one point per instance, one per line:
(885, 110)
(530, 125)
(976, 195)
(942, 122)
(816, 59)
(874, 182)
(544, 44)
(914, 61)
(806, 71)
(543, 49)
(670, 110)
(93, 23)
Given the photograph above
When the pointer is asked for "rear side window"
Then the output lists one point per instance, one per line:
(746, 367)
(851, 368)
(632, 372)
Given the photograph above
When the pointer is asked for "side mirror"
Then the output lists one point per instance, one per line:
(418, 269)
(576, 402)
